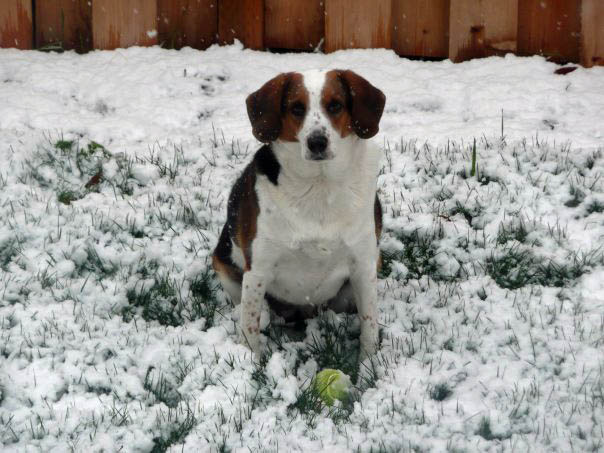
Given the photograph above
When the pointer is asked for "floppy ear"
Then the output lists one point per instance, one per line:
(265, 108)
(365, 103)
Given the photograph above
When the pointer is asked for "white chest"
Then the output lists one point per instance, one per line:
(309, 272)
(307, 244)
(307, 231)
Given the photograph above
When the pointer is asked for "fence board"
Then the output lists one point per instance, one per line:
(65, 24)
(592, 33)
(16, 27)
(292, 24)
(191, 23)
(551, 28)
(359, 24)
(119, 23)
(242, 20)
(481, 28)
(420, 28)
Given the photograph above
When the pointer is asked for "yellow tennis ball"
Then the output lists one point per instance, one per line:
(331, 385)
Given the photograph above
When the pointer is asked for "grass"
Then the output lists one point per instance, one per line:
(440, 392)
(142, 254)
(577, 197)
(473, 169)
(158, 302)
(595, 206)
(203, 295)
(513, 231)
(484, 429)
(181, 421)
(333, 347)
(162, 300)
(10, 248)
(74, 170)
(514, 267)
(157, 383)
(417, 255)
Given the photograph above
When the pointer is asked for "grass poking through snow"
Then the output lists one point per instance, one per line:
(489, 319)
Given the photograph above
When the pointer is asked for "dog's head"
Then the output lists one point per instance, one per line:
(317, 109)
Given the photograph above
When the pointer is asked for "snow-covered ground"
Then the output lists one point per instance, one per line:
(114, 172)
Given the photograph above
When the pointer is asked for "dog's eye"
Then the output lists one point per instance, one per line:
(298, 109)
(334, 107)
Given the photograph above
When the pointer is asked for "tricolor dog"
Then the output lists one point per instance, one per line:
(303, 219)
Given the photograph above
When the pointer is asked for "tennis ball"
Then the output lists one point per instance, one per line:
(331, 385)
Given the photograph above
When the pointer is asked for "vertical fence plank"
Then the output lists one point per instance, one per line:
(242, 20)
(420, 28)
(359, 24)
(292, 24)
(119, 23)
(191, 23)
(592, 33)
(551, 28)
(16, 27)
(481, 28)
(65, 24)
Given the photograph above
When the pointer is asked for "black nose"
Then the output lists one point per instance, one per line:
(317, 143)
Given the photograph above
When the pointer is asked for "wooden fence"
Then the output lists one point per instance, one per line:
(562, 30)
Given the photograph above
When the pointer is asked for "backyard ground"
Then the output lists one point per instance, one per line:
(115, 168)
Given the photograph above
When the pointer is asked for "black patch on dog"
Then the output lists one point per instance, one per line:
(264, 163)
(225, 246)
(267, 164)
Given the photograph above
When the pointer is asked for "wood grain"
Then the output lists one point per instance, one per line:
(592, 33)
(359, 24)
(118, 23)
(420, 28)
(293, 24)
(551, 28)
(481, 28)
(16, 26)
(242, 20)
(64, 24)
(192, 23)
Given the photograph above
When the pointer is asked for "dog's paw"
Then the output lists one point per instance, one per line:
(252, 340)
(366, 353)
(368, 347)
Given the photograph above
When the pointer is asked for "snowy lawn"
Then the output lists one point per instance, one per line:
(114, 334)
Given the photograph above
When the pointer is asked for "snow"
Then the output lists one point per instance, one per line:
(84, 369)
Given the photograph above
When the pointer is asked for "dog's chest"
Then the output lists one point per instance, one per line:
(309, 272)
(308, 232)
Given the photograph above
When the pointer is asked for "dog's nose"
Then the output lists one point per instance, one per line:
(317, 143)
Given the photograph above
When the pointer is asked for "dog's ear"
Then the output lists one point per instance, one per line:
(265, 107)
(365, 103)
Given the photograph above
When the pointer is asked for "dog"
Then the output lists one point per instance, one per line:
(304, 219)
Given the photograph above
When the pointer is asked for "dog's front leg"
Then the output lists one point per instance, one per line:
(253, 288)
(364, 285)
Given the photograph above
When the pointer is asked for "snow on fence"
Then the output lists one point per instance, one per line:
(562, 30)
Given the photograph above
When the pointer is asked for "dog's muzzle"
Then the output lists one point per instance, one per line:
(317, 147)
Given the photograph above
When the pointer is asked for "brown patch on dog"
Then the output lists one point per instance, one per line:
(377, 216)
(295, 97)
(270, 108)
(226, 269)
(242, 212)
(334, 92)
(364, 102)
(247, 214)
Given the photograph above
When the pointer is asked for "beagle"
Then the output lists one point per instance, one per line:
(303, 219)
